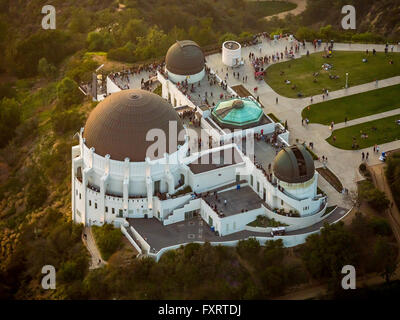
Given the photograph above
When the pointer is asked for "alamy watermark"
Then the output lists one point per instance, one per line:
(49, 280)
(199, 142)
(349, 20)
(349, 280)
(49, 20)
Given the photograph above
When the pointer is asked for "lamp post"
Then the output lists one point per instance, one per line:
(347, 80)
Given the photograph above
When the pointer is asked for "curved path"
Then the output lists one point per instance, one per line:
(301, 6)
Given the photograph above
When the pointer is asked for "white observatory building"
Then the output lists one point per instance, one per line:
(231, 53)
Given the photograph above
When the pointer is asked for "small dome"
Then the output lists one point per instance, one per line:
(119, 124)
(294, 165)
(185, 58)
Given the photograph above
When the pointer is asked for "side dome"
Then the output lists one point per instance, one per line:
(185, 58)
(294, 165)
(119, 124)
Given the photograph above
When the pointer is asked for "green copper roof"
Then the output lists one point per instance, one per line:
(237, 112)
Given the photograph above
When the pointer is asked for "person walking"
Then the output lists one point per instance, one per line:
(225, 202)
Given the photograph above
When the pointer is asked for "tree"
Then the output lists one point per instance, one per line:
(99, 41)
(10, 118)
(154, 44)
(37, 194)
(80, 21)
(125, 53)
(46, 69)
(304, 33)
(385, 258)
(325, 254)
(135, 28)
(376, 198)
(249, 249)
(54, 45)
(68, 93)
(227, 36)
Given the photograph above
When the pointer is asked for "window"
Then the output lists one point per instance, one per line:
(258, 186)
(90, 203)
(120, 213)
(76, 191)
(106, 209)
(95, 205)
(282, 202)
(251, 180)
(113, 210)
(80, 196)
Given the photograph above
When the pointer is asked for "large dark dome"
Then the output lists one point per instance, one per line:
(185, 58)
(294, 165)
(119, 124)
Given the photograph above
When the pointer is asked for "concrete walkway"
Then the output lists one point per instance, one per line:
(88, 240)
(368, 118)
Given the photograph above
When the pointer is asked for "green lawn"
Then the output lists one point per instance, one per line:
(269, 8)
(386, 131)
(300, 72)
(354, 106)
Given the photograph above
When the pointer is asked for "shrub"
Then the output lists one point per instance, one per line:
(68, 93)
(65, 121)
(108, 239)
(46, 69)
(380, 226)
(10, 117)
(37, 195)
(375, 198)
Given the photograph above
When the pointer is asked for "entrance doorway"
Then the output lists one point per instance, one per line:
(156, 187)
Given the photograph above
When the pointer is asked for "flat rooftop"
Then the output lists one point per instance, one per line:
(215, 160)
(237, 200)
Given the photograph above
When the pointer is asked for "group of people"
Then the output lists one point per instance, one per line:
(191, 116)
(122, 78)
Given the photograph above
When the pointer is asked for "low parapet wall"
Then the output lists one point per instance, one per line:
(130, 239)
